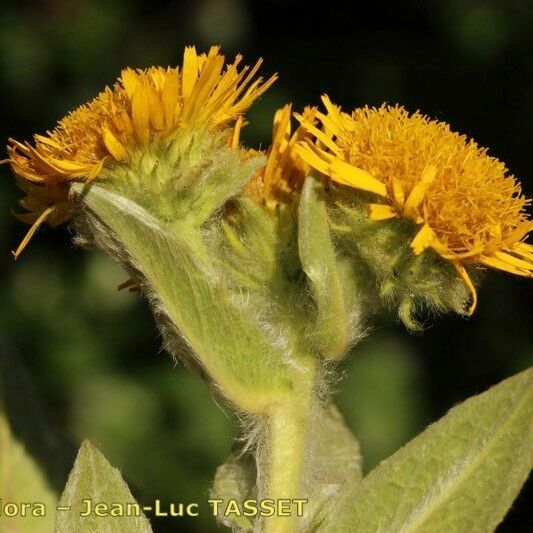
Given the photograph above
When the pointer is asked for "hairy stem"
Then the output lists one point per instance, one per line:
(287, 432)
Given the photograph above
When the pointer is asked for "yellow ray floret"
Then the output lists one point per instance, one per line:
(469, 208)
(142, 106)
(284, 173)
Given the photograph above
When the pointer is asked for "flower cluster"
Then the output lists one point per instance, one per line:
(464, 204)
(143, 106)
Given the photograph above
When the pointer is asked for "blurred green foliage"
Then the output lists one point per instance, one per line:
(94, 355)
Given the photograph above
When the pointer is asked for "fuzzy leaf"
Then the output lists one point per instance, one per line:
(333, 464)
(93, 478)
(32, 458)
(332, 285)
(23, 482)
(235, 480)
(29, 423)
(230, 334)
(460, 475)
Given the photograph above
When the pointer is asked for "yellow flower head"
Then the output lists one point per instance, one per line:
(142, 106)
(468, 208)
(284, 173)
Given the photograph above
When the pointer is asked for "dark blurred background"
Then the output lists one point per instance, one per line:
(93, 355)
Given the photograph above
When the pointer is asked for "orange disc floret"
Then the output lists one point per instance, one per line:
(468, 207)
(142, 106)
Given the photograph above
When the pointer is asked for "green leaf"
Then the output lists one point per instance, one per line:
(229, 334)
(23, 482)
(235, 480)
(460, 475)
(32, 458)
(333, 464)
(29, 424)
(333, 287)
(383, 396)
(94, 480)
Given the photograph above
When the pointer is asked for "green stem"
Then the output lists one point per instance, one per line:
(287, 431)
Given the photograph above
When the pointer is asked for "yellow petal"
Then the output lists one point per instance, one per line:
(114, 146)
(42, 218)
(16, 145)
(206, 82)
(454, 256)
(122, 123)
(71, 168)
(397, 191)
(53, 166)
(334, 114)
(170, 98)
(280, 139)
(466, 278)
(380, 212)
(423, 239)
(236, 135)
(504, 265)
(95, 171)
(524, 249)
(442, 249)
(308, 115)
(514, 261)
(249, 77)
(140, 114)
(320, 135)
(130, 81)
(519, 232)
(189, 73)
(331, 126)
(311, 158)
(355, 177)
(47, 141)
(155, 109)
(419, 190)
(281, 129)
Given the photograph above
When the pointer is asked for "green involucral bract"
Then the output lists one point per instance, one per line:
(332, 277)
(388, 273)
